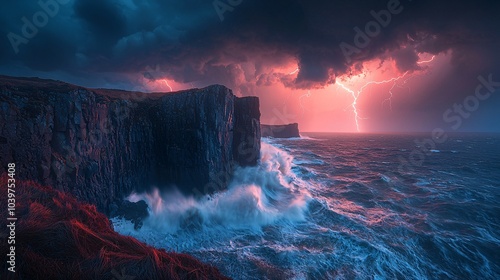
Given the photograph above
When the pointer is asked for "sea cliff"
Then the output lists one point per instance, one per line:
(101, 144)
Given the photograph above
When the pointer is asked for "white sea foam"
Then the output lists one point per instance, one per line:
(256, 197)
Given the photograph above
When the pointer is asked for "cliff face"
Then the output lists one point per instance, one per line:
(101, 145)
(280, 131)
(247, 131)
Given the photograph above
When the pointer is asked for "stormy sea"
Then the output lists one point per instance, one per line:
(344, 206)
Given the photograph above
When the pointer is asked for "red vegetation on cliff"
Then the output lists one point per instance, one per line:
(58, 237)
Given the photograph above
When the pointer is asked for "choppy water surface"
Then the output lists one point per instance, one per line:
(337, 206)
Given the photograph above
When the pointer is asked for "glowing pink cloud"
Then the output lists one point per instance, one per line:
(316, 109)
(374, 80)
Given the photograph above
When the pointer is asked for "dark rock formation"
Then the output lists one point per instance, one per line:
(280, 131)
(135, 212)
(58, 237)
(247, 131)
(101, 145)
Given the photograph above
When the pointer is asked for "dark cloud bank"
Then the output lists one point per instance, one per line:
(101, 43)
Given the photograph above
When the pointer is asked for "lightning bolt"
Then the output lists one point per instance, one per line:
(354, 102)
(427, 61)
(308, 94)
(396, 82)
(166, 83)
(402, 85)
(355, 94)
(294, 71)
(405, 81)
(389, 99)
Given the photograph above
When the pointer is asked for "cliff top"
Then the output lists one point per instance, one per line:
(34, 85)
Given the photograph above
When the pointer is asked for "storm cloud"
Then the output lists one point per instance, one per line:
(102, 43)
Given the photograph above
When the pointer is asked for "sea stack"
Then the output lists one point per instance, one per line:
(280, 131)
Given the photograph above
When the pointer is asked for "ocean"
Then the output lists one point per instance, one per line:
(344, 206)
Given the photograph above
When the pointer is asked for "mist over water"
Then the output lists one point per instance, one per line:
(336, 206)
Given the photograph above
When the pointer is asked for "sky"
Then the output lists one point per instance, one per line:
(330, 65)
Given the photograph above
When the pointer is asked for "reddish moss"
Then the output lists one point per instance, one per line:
(58, 237)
